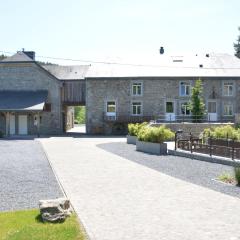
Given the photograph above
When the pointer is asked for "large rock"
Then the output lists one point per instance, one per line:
(55, 210)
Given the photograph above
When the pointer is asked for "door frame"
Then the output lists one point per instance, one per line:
(23, 115)
(216, 102)
(173, 114)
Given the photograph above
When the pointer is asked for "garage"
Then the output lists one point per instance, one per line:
(21, 111)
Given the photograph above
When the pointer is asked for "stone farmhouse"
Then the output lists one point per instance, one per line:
(36, 99)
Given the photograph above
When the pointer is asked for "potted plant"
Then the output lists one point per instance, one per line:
(151, 140)
(133, 130)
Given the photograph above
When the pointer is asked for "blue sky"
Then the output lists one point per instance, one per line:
(94, 29)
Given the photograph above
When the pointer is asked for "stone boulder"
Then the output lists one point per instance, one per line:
(55, 210)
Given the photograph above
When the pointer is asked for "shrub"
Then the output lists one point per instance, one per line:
(155, 134)
(222, 132)
(237, 175)
(1, 134)
(133, 129)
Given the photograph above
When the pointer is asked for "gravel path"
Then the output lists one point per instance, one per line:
(194, 171)
(25, 175)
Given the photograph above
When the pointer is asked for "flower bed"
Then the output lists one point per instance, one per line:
(151, 139)
(133, 130)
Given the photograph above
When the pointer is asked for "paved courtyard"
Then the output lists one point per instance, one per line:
(25, 175)
(119, 199)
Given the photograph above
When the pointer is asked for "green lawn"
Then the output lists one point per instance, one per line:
(26, 225)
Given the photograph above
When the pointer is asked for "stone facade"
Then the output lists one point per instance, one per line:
(155, 93)
(29, 76)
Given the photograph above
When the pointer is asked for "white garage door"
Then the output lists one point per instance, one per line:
(22, 125)
(12, 124)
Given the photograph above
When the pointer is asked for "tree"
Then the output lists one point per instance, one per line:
(196, 104)
(80, 113)
(2, 57)
(236, 46)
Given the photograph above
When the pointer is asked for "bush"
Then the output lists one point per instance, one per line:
(133, 129)
(1, 134)
(155, 134)
(222, 132)
(237, 175)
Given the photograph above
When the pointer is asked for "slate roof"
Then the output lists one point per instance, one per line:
(68, 72)
(22, 100)
(213, 65)
(205, 65)
(18, 57)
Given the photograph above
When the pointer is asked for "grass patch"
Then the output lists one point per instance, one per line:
(27, 225)
(227, 178)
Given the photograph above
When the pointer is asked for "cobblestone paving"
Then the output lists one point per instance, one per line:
(119, 199)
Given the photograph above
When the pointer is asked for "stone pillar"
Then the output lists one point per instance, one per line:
(38, 124)
(7, 124)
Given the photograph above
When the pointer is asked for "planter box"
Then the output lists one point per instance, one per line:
(131, 139)
(153, 148)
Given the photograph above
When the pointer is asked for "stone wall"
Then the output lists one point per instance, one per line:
(156, 92)
(30, 77)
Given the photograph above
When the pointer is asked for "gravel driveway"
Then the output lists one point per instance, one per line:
(25, 175)
(194, 171)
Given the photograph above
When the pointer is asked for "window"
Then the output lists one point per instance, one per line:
(185, 89)
(184, 109)
(227, 109)
(137, 89)
(111, 108)
(136, 108)
(228, 89)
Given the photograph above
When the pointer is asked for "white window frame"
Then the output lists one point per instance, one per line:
(227, 105)
(141, 107)
(227, 92)
(185, 84)
(184, 114)
(111, 114)
(134, 85)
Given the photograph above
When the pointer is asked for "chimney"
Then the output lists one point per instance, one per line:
(30, 54)
(161, 50)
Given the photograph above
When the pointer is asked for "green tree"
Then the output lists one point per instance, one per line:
(80, 114)
(236, 46)
(196, 104)
(2, 56)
